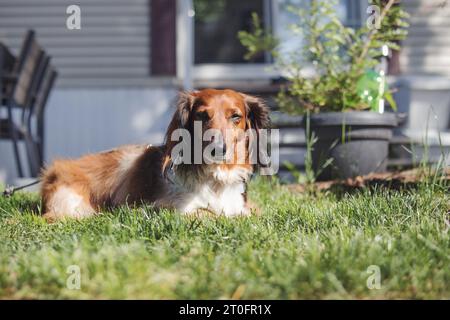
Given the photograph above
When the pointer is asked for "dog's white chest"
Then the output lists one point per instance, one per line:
(219, 191)
(228, 200)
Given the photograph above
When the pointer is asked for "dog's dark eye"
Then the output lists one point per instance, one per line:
(203, 116)
(236, 118)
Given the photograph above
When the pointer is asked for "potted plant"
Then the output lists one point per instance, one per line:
(343, 94)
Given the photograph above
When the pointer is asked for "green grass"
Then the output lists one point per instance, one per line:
(300, 247)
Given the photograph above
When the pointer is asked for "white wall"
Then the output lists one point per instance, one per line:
(80, 121)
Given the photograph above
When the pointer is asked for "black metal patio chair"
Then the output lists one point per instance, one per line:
(27, 90)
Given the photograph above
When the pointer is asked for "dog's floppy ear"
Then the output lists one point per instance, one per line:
(257, 112)
(257, 119)
(180, 117)
(179, 120)
(184, 108)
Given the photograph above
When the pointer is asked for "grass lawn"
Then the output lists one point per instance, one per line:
(300, 247)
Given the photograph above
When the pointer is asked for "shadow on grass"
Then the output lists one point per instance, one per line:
(404, 181)
(374, 186)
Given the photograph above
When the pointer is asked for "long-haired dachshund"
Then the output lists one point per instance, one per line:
(150, 174)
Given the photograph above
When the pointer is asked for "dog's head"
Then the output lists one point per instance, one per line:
(219, 123)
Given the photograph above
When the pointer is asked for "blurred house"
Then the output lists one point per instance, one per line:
(119, 74)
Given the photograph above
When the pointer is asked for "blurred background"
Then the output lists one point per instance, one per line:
(119, 74)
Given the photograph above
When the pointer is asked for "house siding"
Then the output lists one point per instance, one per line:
(426, 51)
(424, 84)
(113, 42)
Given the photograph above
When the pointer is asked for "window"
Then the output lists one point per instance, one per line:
(216, 51)
(349, 11)
(216, 25)
(353, 12)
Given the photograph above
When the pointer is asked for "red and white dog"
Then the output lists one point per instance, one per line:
(136, 174)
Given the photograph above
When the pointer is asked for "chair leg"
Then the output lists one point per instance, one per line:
(17, 155)
(40, 139)
(32, 154)
(41, 153)
(15, 138)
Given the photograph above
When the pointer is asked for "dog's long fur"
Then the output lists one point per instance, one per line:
(135, 174)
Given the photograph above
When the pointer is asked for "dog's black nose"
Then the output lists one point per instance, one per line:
(220, 149)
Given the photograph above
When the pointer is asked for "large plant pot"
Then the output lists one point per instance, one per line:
(357, 142)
